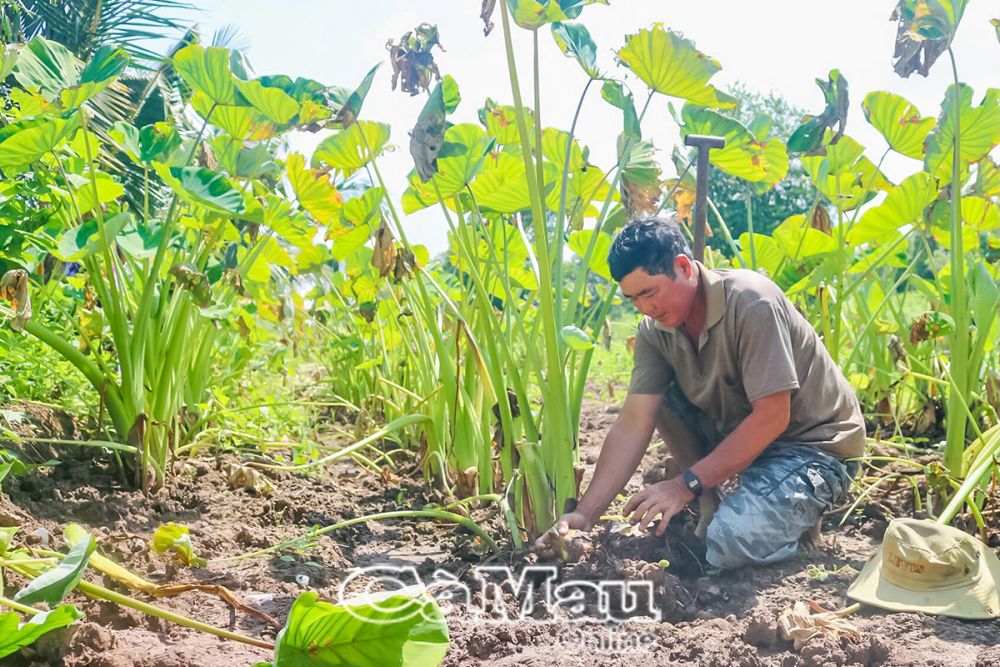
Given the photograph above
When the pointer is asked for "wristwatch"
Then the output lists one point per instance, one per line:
(692, 482)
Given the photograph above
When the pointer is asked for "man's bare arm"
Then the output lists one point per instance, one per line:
(768, 419)
(766, 422)
(621, 453)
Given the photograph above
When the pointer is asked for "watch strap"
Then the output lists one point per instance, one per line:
(692, 482)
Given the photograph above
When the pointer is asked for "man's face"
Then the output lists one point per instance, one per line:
(667, 300)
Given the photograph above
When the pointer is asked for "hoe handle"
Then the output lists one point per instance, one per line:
(704, 144)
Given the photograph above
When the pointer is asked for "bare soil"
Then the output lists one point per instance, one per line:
(707, 618)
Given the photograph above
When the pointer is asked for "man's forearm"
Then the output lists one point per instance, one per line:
(620, 455)
(739, 449)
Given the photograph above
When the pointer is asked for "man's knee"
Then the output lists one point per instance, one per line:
(735, 540)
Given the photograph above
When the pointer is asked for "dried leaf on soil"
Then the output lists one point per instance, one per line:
(801, 625)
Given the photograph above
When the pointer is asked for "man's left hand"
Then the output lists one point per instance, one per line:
(665, 498)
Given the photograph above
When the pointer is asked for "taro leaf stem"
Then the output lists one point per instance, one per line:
(101, 593)
(17, 606)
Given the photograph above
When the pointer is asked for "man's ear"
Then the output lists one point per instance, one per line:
(683, 266)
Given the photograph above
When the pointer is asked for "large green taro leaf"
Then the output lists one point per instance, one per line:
(800, 241)
(207, 71)
(387, 630)
(274, 103)
(55, 584)
(55, 71)
(899, 122)
(464, 149)
(500, 121)
(26, 141)
(670, 64)
(744, 155)
(359, 218)
(85, 240)
(533, 14)
(15, 635)
(574, 40)
(203, 187)
(979, 127)
(581, 240)
(904, 205)
(845, 175)
(352, 148)
(316, 194)
(143, 146)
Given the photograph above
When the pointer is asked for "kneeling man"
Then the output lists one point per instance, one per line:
(738, 382)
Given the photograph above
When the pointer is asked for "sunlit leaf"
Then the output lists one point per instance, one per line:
(799, 240)
(980, 128)
(269, 253)
(501, 185)
(394, 629)
(347, 243)
(845, 175)
(584, 188)
(940, 228)
(144, 146)
(54, 69)
(85, 240)
(580, 241)
(500, 122)
(274, 103)
(899, 122)
(55, 584)
(987, 178)
(574, 40)
(533, 14)
(203, 187)
(104, 66)
(744, 155)
(315, 192)
(576, 338)
(171, 538)
(465, 148)
(15, 635)
(641, 187)
(207, 71)
(6, 536)
(904, 205)
(353, 148)
(554, 149)
(26, 141)
(670, 64)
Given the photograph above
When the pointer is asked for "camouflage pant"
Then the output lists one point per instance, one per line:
(783, 493)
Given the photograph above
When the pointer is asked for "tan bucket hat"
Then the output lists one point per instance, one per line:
(925, 566)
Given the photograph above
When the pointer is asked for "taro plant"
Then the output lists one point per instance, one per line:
(903, 289)
(170, 296)
(498, 347)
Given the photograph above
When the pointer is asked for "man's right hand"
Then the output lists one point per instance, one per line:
(551, 544)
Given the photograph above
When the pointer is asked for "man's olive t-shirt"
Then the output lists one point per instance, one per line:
(755, 343)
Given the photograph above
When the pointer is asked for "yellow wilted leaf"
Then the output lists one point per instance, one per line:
(14, 288)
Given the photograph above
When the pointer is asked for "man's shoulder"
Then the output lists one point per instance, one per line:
(744, 288)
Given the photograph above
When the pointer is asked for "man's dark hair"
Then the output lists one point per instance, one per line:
(651, 244)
